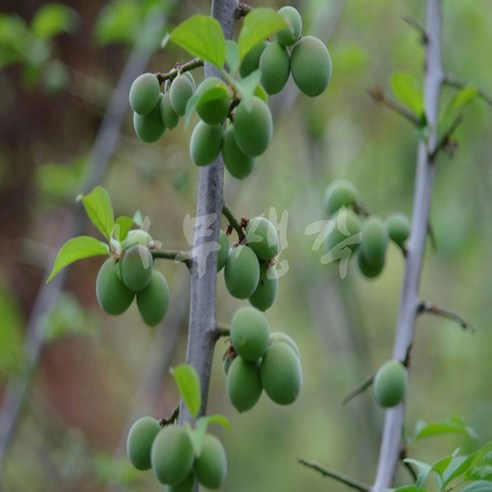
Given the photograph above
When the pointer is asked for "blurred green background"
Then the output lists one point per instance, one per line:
(96, 374)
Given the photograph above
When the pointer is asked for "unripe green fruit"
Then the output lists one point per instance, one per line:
(281, 374)
(289, 36)
(262, 238)
(235, 160)
(261, 93)
(223, 251)
(190, 77)
(144, 93)
(187, 485)
(374, 240)
(249, 333)
(168, 115)
(264, 295)
(153, 300)
(253, 127)
(275, 67)
(398, 228)
(280, 337)
(180, 93)
(140, 440)
(251, 61)
(150, 127)
(172, 455)
(241, 272)
(112, 295)
(243, 384)
(136, 268)
(370, 268)
(227, 360)
(137, 236)
(344, 232)
(211, 466)
(340, 193)
(205, 143)
(215, 101)
(310, 64)
(390, 383)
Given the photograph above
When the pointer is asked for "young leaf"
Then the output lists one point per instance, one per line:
(439, 427)
(138, 219)
(407, 89)
(248, 85)
(75, 249)
(122, 227)
(198, 434)
(189, 387)
(480, 486)
(52, 19)
(219, 420)
(201, 36)
(451, 467)
(232, 56)
(98, 206)
(259, 25)
(423, 470)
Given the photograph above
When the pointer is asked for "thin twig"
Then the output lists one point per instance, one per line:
(418, 27)
(171, 419)
(226, 212)
(179, 68)
(177, 256)
(348, 481)
(429, 307)
(445, 138)
(380, 97)
(360, 388)
(453, 81)
(222, 330)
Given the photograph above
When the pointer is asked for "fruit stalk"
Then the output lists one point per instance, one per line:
(201, 334)
(410, 301)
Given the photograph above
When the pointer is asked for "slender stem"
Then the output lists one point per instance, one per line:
(226, 212)
(429, 307)
(360, 388)
(201, 334)
(177, 256)
(410, 302)
(453, 81)
(348, 481)
(172, 418)
(179, 68)
(380, 97)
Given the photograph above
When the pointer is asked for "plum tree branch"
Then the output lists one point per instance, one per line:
(380, 97)
(410, 301)
(201, 334)
(179, 68)
(429, 307)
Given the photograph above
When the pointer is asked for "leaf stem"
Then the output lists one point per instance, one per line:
(226, 212)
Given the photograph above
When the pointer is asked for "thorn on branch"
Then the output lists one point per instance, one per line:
(379, 97)
(171, 419)
(360, 388)
(453, 81)
(445, 142)
(348, 481)
(429, 307)
(243, 10)
(408, 466)
(419, 28)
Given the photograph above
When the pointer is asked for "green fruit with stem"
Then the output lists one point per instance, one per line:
(214, 101)
(281, 374)
(289, 36)
(223, 251)
(153, 300)
(180, 93)
(340, 193)
(136, 267)
(372, 249)
(205, 143)
(398, 228)
(210, 466)
(172, 455)
(241, 272)
(137, 236)
(390, 383)
(139, 442)
(249, 333)
(262, 238)
(275, 67)
(144, 93)
(343, 232)
(243, 384)
(235, 160)
(168, 115)
(266, 291)
(281, 337)
(253, 126)
(251, 61)
(149, 127)
(112, 295)
(310, 64)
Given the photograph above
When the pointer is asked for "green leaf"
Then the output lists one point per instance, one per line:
(406, 488)
(219, 420)
(248, 85)
(75, 249)
(259, 25)
(232, 56)
(201, 36)
(423, 470)
(122, 227)
(52, 19)
(451, 467)
(480, 486)
(98, 206)
(190, 108)
(189, 387)
(452, 425)
(479, 472)
(197, 434)
(462, 98)
(407, 89)
(138, 219)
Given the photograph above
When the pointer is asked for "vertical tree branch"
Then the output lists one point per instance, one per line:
(410, 301)
(201, 339)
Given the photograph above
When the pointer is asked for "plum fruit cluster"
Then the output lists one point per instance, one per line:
(390, 383)
(249, 270)
(132, 275)
(365, 235)
(170, 453)
(258, 360)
